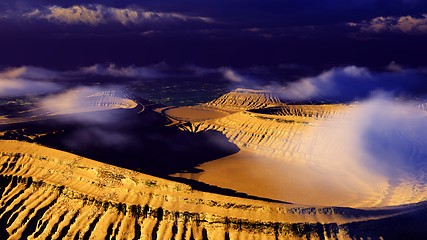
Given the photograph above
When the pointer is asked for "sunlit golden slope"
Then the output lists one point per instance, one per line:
(273, 135)
(57, 194)
(242, 99)
(320, 137)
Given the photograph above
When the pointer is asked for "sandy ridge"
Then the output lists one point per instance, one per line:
(86, 197)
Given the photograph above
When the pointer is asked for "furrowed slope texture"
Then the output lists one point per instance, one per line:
(243, 99)
(326, 137)
(277, 132)
(50, 194)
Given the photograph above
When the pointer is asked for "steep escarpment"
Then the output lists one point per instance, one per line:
(52, 194)
(243, 99)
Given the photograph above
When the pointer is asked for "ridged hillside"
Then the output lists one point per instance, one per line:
(319, 136)
(422, 106)
(243, 99)
(278, 132)
(50, 194)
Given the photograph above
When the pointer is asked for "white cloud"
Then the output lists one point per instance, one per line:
(85, 99)
(231, 75)
(96, 14)
(351, 83)
(129, 72)
(20, 87)
(381, 135)
(394, 67)
(403, 24)
(29, 72)
(327, 84)
(27, 80)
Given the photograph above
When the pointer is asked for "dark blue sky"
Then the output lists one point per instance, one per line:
(235, 33)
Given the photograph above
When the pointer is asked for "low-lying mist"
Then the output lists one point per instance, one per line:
(377, 137)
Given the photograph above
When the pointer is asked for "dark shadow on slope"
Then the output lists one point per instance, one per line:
(412, 225)
(219, 190)
(126, 138)
(138, 141)
(134, 140)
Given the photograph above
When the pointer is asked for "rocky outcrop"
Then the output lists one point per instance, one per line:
(243, 99)
(422, 106)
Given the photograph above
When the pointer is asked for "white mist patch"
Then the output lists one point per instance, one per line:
(366, 154)
(21, 87)
(351, 83)
(153, 71)
(379, 132)
(27, 81)
(84, 100)
(378, 147)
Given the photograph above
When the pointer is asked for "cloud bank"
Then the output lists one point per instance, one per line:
(153, 71)
(403, 24)
(27, 80)
(97, 14)
(355, 83)
(380, 135)
(337, 84)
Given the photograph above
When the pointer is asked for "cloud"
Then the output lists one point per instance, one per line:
(376, 137)
(30, 72)
(403, 24)
(391, 134)
(27, 80)
(231, 75)
(227, 73)
(336, 84)
(238, 77)
(97, 14)
(20, 87)
(153, 71)
(394, 67)
(85, 104)
(351, 83)
(394, 134)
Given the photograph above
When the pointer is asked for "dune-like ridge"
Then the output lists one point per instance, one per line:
(50, 193)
